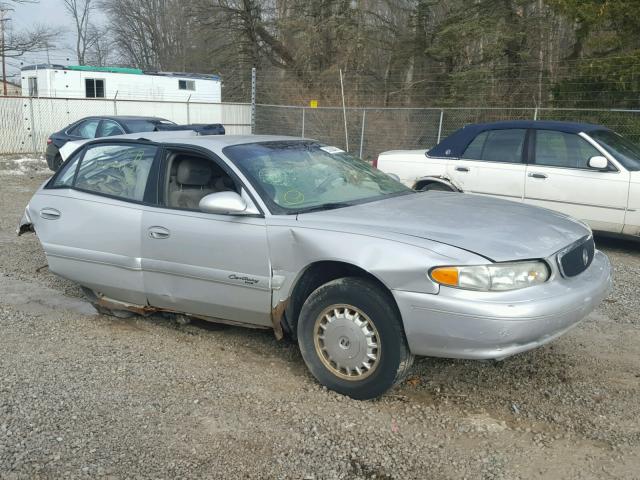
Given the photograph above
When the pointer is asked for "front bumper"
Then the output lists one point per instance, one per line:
(493, 325)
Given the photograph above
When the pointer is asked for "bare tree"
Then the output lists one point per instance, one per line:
(80, 11)
(152, 34)
(37, 39)
(100, 53)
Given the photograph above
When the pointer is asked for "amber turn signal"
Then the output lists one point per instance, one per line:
(445, 276)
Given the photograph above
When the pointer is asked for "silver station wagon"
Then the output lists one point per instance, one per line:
(292, 235)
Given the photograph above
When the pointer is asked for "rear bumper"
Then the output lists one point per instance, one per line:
(494, 325)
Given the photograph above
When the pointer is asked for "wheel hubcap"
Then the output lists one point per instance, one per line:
(347, 342)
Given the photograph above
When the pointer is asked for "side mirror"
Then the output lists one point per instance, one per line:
(223, 202)
(394, 176)
(598, 163)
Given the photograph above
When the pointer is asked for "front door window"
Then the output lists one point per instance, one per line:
(560, 149)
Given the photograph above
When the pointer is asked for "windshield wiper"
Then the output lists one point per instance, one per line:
(323, 206)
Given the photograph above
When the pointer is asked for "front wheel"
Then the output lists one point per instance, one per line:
(351, 338)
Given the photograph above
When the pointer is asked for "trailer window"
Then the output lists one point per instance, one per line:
(186, 84)
(33, 86)
(94, 88)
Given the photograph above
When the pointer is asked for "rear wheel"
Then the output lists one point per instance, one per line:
(351, 338)
(435, 186)
(57, 161)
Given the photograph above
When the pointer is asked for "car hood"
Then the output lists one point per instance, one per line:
(499, 230)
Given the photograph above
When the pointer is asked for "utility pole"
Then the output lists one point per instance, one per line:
(3, 10)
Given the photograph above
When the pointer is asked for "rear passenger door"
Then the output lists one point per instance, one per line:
(493, 164)
(89, 218)
(559, 178)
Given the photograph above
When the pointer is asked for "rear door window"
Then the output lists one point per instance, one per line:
(560, 149)
(109, 128)
(504, 146)
(497, 146)
(64, 177)
(474, 150)
(86, 129)
(116, 170)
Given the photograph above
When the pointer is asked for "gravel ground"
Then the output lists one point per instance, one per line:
(85, 396)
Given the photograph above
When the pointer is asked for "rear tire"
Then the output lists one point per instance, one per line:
(57, 162)
(351, 338)
(435, 186)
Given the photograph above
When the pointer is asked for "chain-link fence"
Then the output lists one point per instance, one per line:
(27, 122)
(369, 131)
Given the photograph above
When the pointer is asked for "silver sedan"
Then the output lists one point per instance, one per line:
(302, 238)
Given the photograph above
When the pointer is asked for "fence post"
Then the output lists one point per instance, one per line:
(440, 126)
(364, 118)
(115, 103)
(33, 126)
(188, 110)
(344, 114)
(253, 100)
(535, 113)
(303, 110)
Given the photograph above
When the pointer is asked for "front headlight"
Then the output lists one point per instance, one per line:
(496, 277)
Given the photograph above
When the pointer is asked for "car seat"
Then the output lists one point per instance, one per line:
(193, 182)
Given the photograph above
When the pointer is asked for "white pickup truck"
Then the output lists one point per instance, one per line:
(586, 171)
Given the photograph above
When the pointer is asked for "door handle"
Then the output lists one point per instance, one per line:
(537, 175)
(50, 214)
(158, 233)
(462, 169)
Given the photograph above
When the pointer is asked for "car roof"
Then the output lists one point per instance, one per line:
(456, 143)
(126, 117)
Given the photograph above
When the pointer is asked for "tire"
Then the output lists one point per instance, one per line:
(435, 186)
(329, 330)
(57, 162)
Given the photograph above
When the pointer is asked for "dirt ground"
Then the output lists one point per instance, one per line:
(84, 395)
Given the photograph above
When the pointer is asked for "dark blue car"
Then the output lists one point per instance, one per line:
(107, 126)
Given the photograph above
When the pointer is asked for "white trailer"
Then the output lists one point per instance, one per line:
(121, 83)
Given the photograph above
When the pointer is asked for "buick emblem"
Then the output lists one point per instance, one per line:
(585, 256)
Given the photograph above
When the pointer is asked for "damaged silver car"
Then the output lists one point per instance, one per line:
(295, 236)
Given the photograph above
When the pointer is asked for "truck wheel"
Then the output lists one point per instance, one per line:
(351, 338)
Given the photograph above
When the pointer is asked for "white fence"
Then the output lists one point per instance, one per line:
(27, 122)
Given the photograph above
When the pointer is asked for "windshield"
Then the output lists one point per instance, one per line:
(298, 176)
(625, 151)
